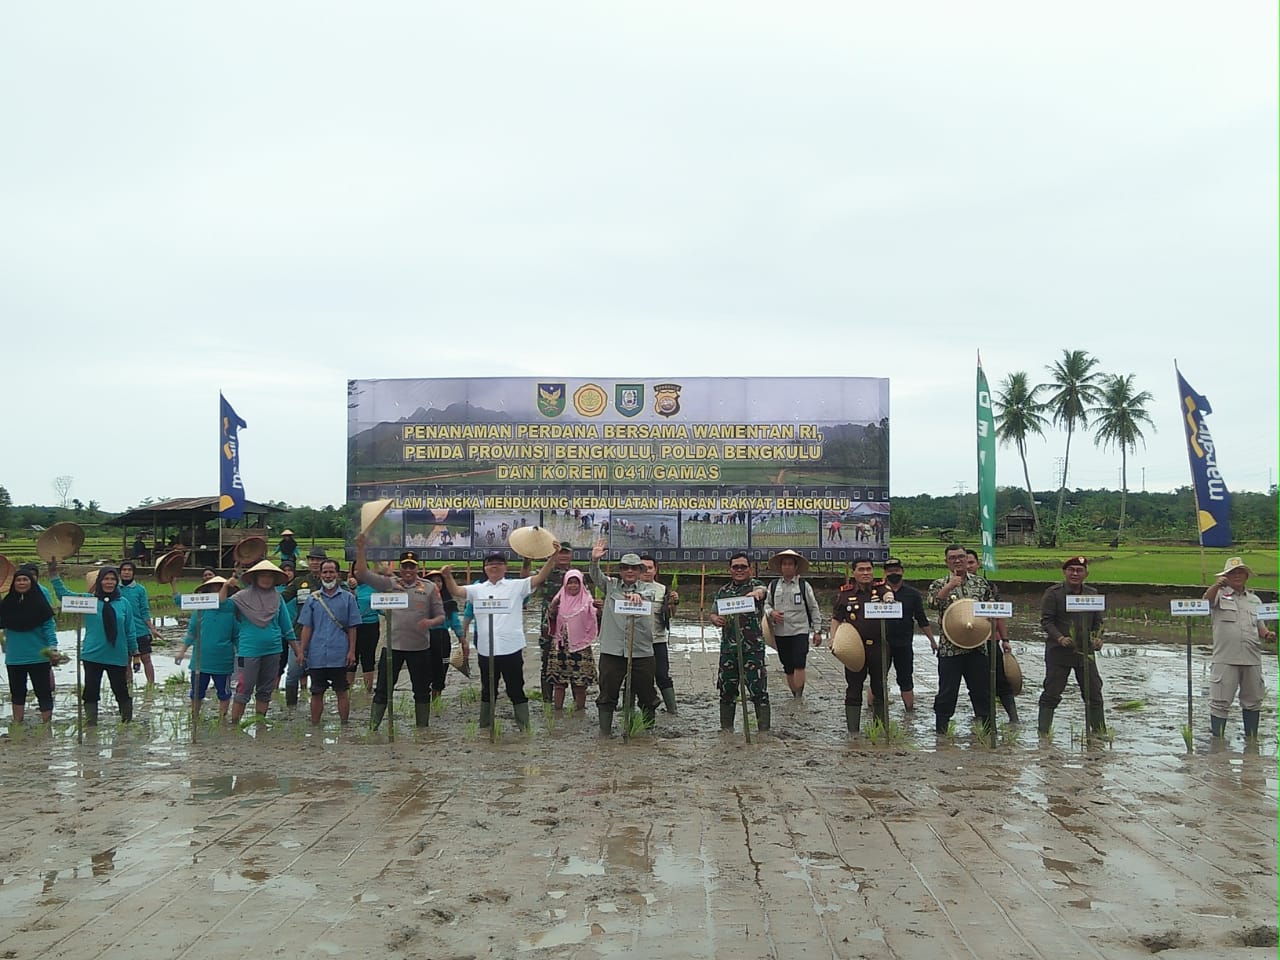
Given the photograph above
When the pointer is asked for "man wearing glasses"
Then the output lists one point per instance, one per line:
(742, 630)
(955, 663)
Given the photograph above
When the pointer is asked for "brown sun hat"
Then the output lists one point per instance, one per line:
(962, 628)
(250, 550)
(459, 662)
(536, 543)
(1013, 673)
(802, 562)
(7, 570)
(847, 645)
(264, 566)
(60, 541)
(371, 512)
(170, 565)
(766, 632)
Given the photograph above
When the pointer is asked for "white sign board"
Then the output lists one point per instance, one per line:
(303, 595)
(1189, 608)
(728, 606)
(993, 609)
(1266, 611)
(491, 605)
(1086, 602)
(882, 611)
(79, 604)
(386, 601)
(198, 601)
(632, 608)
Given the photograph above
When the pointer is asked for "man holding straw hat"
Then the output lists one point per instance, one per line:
(794, 613)
(1237, 659)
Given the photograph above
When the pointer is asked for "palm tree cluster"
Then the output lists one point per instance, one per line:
(1076, 396)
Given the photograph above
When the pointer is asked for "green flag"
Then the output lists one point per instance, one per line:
(986, 471)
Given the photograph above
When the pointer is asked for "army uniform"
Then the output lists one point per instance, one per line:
(742, 630)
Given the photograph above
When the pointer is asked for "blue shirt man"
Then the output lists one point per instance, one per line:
(328, 620)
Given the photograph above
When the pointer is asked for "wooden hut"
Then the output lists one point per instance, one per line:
(193, 522)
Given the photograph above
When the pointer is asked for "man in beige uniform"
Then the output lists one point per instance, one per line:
(1237, 660)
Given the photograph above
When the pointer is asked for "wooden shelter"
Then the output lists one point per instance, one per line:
(1016, 527)
(194, 522)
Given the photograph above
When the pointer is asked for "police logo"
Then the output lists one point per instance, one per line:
(551, 399)
(628, 398)
(590, 400)
(666, 399)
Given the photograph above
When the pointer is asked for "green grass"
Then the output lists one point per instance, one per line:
(1132, 705)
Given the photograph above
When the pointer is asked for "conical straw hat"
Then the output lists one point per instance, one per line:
(212, 585)
(962, 628)
(7, 570)
(91, 579)
(371, 512)
(459, 662)
(846, 644)
(766, 629)
(536, 543)
(60, 541)
(264, 566)
(250, 550)
(1013, 673)
(802, 562)
(170, 565)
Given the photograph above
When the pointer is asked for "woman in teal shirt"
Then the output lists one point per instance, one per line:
(109, 642)
(218, 633)
(27, 620)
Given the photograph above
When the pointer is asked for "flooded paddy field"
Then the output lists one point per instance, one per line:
(293, 840)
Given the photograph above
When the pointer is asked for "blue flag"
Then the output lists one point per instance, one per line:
(231, 502)
(1213, 500)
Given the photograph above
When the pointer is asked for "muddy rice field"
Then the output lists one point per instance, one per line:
(291, 840)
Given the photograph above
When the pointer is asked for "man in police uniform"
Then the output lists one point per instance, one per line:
(849, 608)
(1071, 640)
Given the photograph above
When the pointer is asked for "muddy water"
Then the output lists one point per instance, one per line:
(683, 843)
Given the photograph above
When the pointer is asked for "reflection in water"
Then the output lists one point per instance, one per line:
(104, 862)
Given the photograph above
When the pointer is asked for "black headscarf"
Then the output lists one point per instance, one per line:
(108, 611)
(25, 611)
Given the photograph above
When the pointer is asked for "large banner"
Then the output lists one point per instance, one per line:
(683, 469)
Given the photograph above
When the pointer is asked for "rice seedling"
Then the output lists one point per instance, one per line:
(472, 729)
(636, 724)
(1188, 738)
(469, 695)
(1132, 705)
(497, 729)
(549, 716)
(951, 728)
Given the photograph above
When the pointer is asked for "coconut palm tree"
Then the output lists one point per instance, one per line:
(1019, 414)
(1075, 389)
(1118, 419)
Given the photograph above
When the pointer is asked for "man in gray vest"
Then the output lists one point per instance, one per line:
(616, 631)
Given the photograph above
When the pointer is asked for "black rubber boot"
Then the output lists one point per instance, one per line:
(376, 712)
(1251, 718)
(853, 717)
(1217, 726)
(669, 699)
(606, 721)
(290, 694)
(486, 715)
(1010, 707)
(1045, 721)
(1097, 723)
(763, 717)
(521, 711)
(91, 714)
(422, 714)
(727, 710)
(126, 712)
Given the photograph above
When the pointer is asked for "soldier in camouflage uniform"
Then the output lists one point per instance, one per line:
(742, 629)
(955, 663)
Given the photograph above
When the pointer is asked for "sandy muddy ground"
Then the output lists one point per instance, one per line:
(309, 843)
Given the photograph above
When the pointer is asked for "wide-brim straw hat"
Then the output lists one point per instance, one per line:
(459, 662)
(802, 562)
(371, 512)
(536, 543)
(286, 533)
(963, 628)
(847, 645)
(1013, 673)
(7, 570)
(766, 632)
(169, 566)
(212, 585)
(264, 566)
(60, 541)
(1235, 563)
(250, 550)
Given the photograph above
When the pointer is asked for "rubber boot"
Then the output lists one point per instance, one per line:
(522, 715)
(1010, 707)
(1044, 721)
(1217, 726)
(126, 712)
(763, 716)
(606, 721)
(1096, 722)
(290, 694)
(853, 717)
(669, 699)
(91, 714)
(376, 712)
(727, 710)
(1251, 718)
(486, 715)
(422, 714)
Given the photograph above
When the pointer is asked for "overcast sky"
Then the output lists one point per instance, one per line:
(270, 198)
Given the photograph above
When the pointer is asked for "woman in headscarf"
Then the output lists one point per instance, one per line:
(264, 626)
(571, 619)
(27, 620)
(109, 642)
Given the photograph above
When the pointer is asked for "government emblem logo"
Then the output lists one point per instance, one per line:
(666, 399)
(628, 398)
(551, 398)
(590, 400)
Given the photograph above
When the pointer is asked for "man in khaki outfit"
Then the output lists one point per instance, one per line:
(1237, 659)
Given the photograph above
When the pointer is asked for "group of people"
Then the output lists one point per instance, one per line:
(318, 629)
